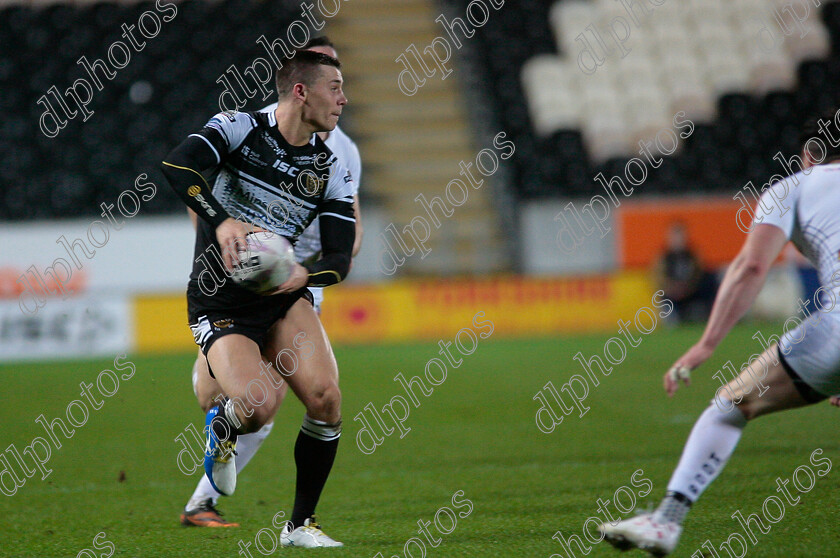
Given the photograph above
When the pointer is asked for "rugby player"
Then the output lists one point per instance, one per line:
(273, 171)
(201, 509)
(803, 368)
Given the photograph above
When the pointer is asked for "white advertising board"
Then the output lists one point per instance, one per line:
(75, 327)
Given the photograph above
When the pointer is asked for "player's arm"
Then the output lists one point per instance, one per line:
(338, 233)
(198, 154)
(184, 168)
(193, 218)
(338, 229)
(737, 292)
(360, 231)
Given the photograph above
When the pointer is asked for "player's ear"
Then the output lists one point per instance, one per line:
(300, 91)
(807, 160)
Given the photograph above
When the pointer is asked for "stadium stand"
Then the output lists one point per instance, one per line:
(170, 88)
(164, 92)
(567, 126)
(412, 144)
(701, 56)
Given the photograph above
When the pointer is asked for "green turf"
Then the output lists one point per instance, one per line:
(475, 433)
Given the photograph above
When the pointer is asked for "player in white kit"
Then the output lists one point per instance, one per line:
(200, 510)
(802, 369)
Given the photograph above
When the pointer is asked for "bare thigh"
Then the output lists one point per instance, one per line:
(763, 387)
(236, 362)
(208, 391)
(299, 344)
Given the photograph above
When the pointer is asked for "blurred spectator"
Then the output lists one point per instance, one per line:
(680, 274)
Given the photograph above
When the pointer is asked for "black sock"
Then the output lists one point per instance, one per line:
(315, 451)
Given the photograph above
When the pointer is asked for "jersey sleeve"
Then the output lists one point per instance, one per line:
(777, 206)
(338, 229)
(225, 132)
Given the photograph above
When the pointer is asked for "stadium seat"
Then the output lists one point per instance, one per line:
(551, 89)
(96, 159)
(701, 57)
(568, 20)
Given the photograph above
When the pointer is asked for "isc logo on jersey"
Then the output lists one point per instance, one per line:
(195, 192)
(286, 167)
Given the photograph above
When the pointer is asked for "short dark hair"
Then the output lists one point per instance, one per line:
(301, 68)
(321, 41)
(811, 130)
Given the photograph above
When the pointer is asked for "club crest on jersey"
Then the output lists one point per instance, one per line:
(312, 184)
(223, 324)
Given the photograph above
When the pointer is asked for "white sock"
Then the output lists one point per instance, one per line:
(246, 447)
(709, 446)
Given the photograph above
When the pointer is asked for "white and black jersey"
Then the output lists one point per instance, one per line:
(309, 243)
(240, 165)
(262, 179)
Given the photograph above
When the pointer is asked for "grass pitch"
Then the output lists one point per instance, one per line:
(475, 433)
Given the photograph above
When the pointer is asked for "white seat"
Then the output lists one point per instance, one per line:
(690, 92)
(636, 68)
(568, 19)
(606, 135)
(816, 44)
(609, 9)
(551, 88)
(726, 72)
(715, 36)
(598, 96)
(680, 57)
(670, 14)
(771, 72)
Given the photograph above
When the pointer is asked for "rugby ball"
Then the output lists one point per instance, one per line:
(265, 263)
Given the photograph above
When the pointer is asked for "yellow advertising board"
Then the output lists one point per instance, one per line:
(406, 310)
(160, 323)
(425, 309)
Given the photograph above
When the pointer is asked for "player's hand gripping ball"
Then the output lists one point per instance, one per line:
(265, 263)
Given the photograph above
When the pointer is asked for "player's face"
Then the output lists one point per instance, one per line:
(325, 100)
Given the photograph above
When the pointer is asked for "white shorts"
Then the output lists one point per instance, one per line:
(813, 351)
(318, 297)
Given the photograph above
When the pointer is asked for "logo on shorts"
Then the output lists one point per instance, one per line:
(223, 324)
(194, 190)
(201, 331)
